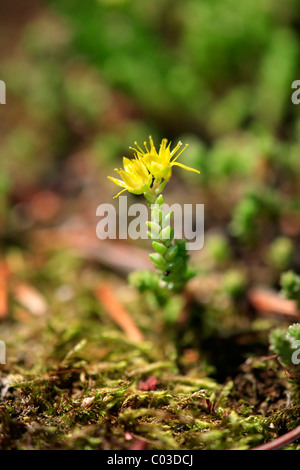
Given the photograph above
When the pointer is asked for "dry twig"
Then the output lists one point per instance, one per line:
(106, 296)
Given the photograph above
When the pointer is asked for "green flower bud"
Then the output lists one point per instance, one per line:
(172, 265)
(156, 214)
(159, 247)
(171, 253)
(167, 219)
(159, 200)
(158, 260)
(155, 229)
(167, 233)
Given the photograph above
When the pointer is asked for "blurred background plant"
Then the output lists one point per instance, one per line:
(290, 283)
(286, 343)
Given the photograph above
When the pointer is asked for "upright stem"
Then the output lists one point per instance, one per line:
(170, 257)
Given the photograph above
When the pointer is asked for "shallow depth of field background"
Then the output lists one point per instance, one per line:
(90, 78)
(84, 81)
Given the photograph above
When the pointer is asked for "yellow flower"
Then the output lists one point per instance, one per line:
(160, 163)
(136, 178)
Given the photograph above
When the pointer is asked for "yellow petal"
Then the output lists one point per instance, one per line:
(185, 167)
(116, 181)
(129, 180)
(126, 164)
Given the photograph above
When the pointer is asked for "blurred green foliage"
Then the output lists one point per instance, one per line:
(216, 73)
(215, 63)
(280, 253)
(290, 283)
(99, 75)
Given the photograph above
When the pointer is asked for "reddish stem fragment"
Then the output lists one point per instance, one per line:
(4, 276)
(107, 297)
(281, 441)
(268, 302)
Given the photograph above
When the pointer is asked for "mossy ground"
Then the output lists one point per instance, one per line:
(73, 378)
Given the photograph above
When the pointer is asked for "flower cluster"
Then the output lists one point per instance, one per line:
(149, 167)
(135, 177)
